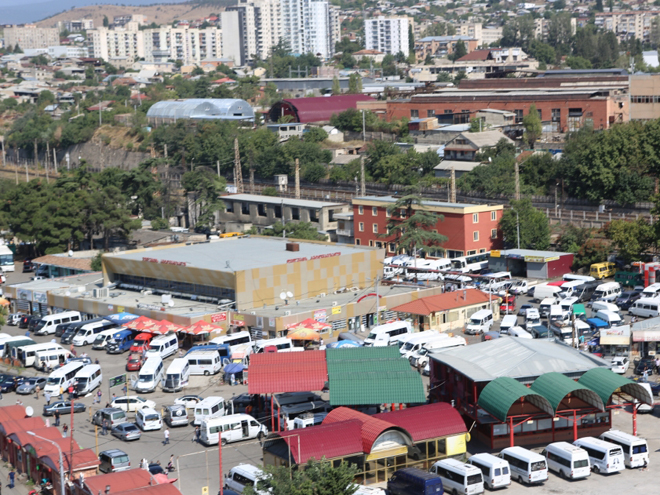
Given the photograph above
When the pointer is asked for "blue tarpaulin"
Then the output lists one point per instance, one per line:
(122, 317)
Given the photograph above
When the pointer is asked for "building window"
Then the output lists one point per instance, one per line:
(391, 247)
(361, 210)
(447, 112)
(374, 211)
(493, 234)
(493, 215)
(475, 235)
(278, 211)
(245, 208)
(470, 253)
(475, 218)
(357, 242)
(361, 227)
(229, 207)
(379, 244)
(482, 251)
(402, 213)
(414, 114)
(375, 228)
(451, 253)
(314, 215)
(519, 116)
(540, 114)
(556, 114)
(371, 243)
(295, 213)
(430, 113)
(261, 209)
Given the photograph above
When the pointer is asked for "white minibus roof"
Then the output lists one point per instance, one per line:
(150, 365)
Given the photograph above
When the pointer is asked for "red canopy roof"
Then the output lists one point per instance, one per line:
(428, 421)
(371, 427)
(309, 323)
(442, 302)
(82, 459)
(10, 413)
(316, 109)
(23, 437)
(141, 323)
(121, 481)
(164, 326)
(200, 327)
(331, 440)
(9, 427)
(272, 373)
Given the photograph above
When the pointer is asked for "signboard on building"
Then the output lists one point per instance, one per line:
(218, 317)
(115, 381)
(495, 254)
(336, 310)
(321, 315)
(238, 320)
(40, 297)
(24, 295)
(540, 259)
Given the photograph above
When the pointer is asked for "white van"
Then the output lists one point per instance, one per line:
(609, 291)
(542, 292)
(604, 306)
(480, 322)
(567, 305)
(289, 412)
(568, 289)
(49, 360)
(652, 290)
(231, 428)
(458, 477)
(48, 323)
(163, 346)
(86, 334)
(526, 466)
(177, 374)
(495, 471)
(421, 358)
(635, 449)
(204, 362)
(569, 461)
(417, 341)
(532, 318)
(546, 304)
(520, 333)
(645, 307)
(26, 354)
(282, 344)
(210, 407)
(150, 376)
(102, 338)
(605, 457)
(557, 314)
(148, 419)
(308, 419)
(88, 378)
(62, 377)
(388, 334)
(233, 340)
(508, 322)
(609, 317)
(583, 278)
(244, 475)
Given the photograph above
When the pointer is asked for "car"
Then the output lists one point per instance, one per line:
(28, 266)
(134, 362)
(540, 332)
(32, 326)
(68, 335)
(29, 385)
(132, 403)
(84, 360)
(14, 319)
(156, 469)
(620, 364)
(626, 299)
(9, 383)
(190, 401)
(63, 407)
(523, 309)
(126, 431)
(647, 363)
(24, 321)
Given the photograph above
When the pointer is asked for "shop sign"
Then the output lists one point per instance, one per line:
(336, 310)
(218, 317)
(271, 322)
(495, 254)
(24, 295)
(238, 320)
(623, 330)
(534, 259)
(260, 322)
(40, 297)
(165, 262)
(317, 257)
(120, 309)
(321, 315)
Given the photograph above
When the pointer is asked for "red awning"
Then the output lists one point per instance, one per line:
(428, 421)
(141, 323)
(274, 373)
(333, 440)
(200, 327)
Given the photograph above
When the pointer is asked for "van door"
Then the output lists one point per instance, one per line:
(245, 429)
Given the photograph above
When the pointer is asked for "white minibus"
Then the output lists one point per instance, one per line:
(87, 333)
(49, 360)
(480, 322)
(545, 291)
(387, 334)
(609, 317)
(282, 344)
(417, 341)
(508, 322)
(569, 461)
(583, 278)
(458, 477)
(204, 362)
(608, 291)
(62, 377)
(177, 375)
(231, 428)
(605, 457)
(635, 449)
(526, 466)
(163, 346)
(48, 323)
(88, 378)
(645, 307)
(210, 407)
(546, 304)
(233, 340)
(244, 475)
(421, 358)
(102, 338)
(150, 376)
(290, 412)
(652, 290)
(495, 471)
(520, 332)
(26, 354)
(148, 419)
(9, 340)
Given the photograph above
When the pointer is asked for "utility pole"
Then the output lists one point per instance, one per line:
(36, 164)
(27, 176)
(452, 199)
(16, 166)
(238, 173)
(297, 178)
(251, 180)
(362, 185)
(217, 164)
(364, 128)
(4, 157)
(46, 161)
(517, 181)
(518, 228)
(165, 150)
(55, 159)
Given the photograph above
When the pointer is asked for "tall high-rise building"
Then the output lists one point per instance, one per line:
(230, 26)
(260, 27)
(189, 45)
(335, 27)
(306, 26)
(120, 47)
(387, 35)
(29, 36)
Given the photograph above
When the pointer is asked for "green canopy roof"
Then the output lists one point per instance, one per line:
(499, 395)
(604, 382)
(555, 387)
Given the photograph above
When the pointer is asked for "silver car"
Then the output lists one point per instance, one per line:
(30, 384)
(176, 415)
(126, 431)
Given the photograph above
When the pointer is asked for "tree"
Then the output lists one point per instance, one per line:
(159, 224)
(599, 6)
(411, 227)
(17, 49)
(336, 87)
(631, 239)
(205, 186)
(354, 84)
(97, 262)
(572, 238)
(388, 65)
(443, 77)
(475, 125)
(593, 251)
(106, 22)
(534, 226)
(533, 126)
(459, 51)
(315, 135)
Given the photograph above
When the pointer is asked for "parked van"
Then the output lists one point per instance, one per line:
(49, 360)
(573, 276)
(87, 333)
(204, 362)
(210, 407)
(603, 270)
(417, 341)
(645, 307)
(508, 322)
(546, 304)
(26, 354)
(234, 339)
(103, 338)
(635, 449)
(557, 314)
(151, 375)
(520, 333)
(532, 318)
(413, 481)
(605, 457)
(113, 461)
(163, 346)
(48, 323)
(545, 291)
(604, 306)
(567, 305)
(567, 460)
(458, 477)
(609, 317)
(388, 334)
(232, 428)
(114, 416)
(495, 471)
(88, 378)
(148, 419)
(480, 322)
(526, 466)
(7, 345)
(176, 415)
(421, 358)
(282, 344)
(585, 291)
(121, 342)
(141, 342)
(62, 377)
(243, 475)
(177, 375)
(652, 290)
(308, 419)
(607, 292)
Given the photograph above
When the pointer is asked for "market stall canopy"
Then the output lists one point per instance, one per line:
(141, 323)
(278, 372)
(200, 327)
(164, 326)
(307, 330)
(233, 368)
(304, 334)
(3, 302)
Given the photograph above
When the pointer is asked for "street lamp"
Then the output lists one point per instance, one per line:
(61, 459)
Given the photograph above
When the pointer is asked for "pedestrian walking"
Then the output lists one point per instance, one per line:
(657, 365)
(105, 427)
(47, 397)
(57, 418)
(99, 394)
(61, 392)
(37, 389)
(11, 477)
(114, 396)
(198, 433)
(167, 436)
(65, 429)
(70, 392)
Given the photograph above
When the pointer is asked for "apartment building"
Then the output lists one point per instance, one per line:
(441, 46)
(230, 25)
(189, 45)
(306, 26)
(490, 35)
(387, 34)
(76, 25)
(628, 24)
(471, 30)
(542, 25)
(120, 47)
(30, 36)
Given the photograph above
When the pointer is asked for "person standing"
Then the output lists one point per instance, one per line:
(65, 429)
(47, 397)
(105, 426)
(198, 433)
(57, 418)
(37, 389)
(99, 394)
(11, 477)
(167, 436)
(657, 365)
(61, 392)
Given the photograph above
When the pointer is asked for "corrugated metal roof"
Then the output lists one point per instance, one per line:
(555, 387)
(427, 421)
(335, 439)
(499, 395)
(304, 203)
(121, 481)
(24, 424)
(22, 437)
(392, 199)
(604, 382)
(202, 108)
(370, 427)
(457, 165)
(319, 108)
(10, 413)
(442, 302)
(531, 252)
(287, 372)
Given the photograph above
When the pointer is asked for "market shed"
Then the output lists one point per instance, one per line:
(318, 109)
(605, 383)
(500, 395)
(171, 111)
(559, 390)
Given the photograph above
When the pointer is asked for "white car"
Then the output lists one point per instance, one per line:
(132, 403)
(620, 364)
(190, 401)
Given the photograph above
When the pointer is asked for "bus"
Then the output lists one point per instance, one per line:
(470, 264)
(6, 259)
